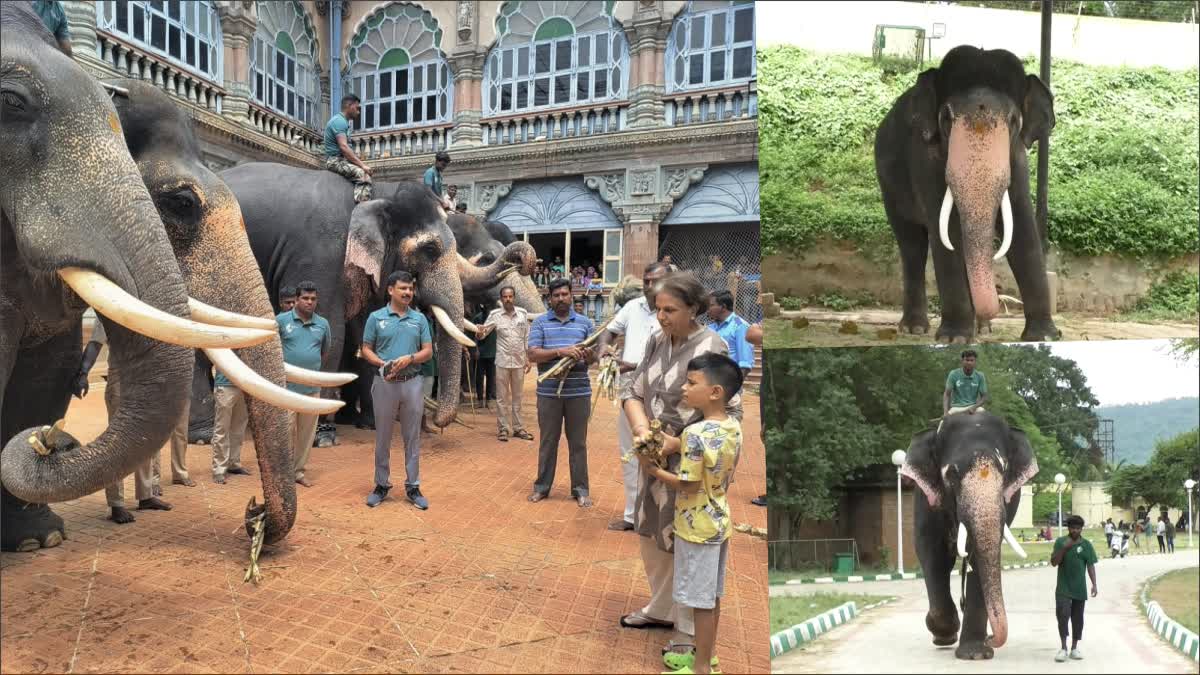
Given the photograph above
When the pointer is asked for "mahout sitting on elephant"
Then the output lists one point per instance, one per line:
(313, 230)
(970, 475)
(80, 228)
(951, 159)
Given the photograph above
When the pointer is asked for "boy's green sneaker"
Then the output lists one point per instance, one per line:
(682, 662)
(687, 670)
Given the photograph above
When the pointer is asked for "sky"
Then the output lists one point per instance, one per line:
(1132, 371)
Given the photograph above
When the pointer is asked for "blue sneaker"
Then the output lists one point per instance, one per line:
(377, 495)
(418, 499)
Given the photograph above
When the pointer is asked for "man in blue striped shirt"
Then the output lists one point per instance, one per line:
(555, 335)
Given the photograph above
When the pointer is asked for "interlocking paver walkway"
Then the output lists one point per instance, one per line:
(483, 581)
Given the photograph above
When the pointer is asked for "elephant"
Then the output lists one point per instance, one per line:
(970, 475)
(78, 227)
(949, 155)
(483, 243)
(314, 231)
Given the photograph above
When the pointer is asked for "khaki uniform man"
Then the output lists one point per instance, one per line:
(511, 324)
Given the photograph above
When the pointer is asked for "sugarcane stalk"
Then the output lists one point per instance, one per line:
(253, 574)
(566, 363)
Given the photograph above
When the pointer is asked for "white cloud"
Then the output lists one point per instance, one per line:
(1132, 371)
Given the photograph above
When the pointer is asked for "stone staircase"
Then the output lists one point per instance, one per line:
(754, 379)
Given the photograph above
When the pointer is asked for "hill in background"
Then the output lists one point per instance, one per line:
(1138, 426)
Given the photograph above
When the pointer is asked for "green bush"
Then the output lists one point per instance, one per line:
(1046, 503)
(1123, 159)
(1177, 294)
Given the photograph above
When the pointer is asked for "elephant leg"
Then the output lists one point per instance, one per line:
(972, 642)
(958, 314)
(937, 559)
(1028, 264)
(37, 393)
(914, 248)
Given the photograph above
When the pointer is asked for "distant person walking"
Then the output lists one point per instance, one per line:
(1108, 532)
(1072, 556)
(1161, 531)
(1170, 534)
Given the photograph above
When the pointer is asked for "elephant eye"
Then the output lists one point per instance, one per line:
(12, 100)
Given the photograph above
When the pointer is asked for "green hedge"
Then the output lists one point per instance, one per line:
(1123, 161)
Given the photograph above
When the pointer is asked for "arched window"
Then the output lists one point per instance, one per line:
(711, 44)
(283, 62)
(187, 34)
(554, 54)
(396, 66)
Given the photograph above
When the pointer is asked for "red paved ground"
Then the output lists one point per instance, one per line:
(482, 582)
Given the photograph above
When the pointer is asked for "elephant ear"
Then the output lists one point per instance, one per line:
(1022, 465)
(922, 467)
(922, 105)
(365, 249)
(1037, 111)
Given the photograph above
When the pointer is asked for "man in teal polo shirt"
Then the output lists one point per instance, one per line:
(396, 341)
(433, 178)
(966, 388)
(339, 158)
(55, 19)
(1073, 555)
(305, 336)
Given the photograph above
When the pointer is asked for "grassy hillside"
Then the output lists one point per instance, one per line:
(1137, 427)
(1123, 161)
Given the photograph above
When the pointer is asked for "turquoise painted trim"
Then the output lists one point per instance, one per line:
(1167, 628)
(790, 638)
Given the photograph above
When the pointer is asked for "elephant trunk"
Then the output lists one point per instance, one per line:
(982, 514)
(152, 377)
(518, 257)
(977, 178)
(441, 292)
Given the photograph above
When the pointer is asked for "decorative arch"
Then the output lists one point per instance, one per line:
(554, 206)
(187, 34)
(396, 65)
(285, 61)
(553, 54)
(711, 44)
(726, 194)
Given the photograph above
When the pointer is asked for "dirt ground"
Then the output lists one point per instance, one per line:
(483, 581)
(876, 328)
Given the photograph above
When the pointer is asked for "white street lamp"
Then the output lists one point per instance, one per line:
(1189, 484)
(1059, 479)
(898, 460)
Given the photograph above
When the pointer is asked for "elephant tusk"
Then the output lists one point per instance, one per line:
(219, 317)
(962, 540)
(447, 325)
(1012, 541)
(467, 325)
(266, 391)
(316, 378)
(944, 219)
(110, 300)
(1006, 218)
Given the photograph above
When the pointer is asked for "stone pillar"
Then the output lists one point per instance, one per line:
(647, 36)
(467, 66)
(81, 21)
(640, 239)
(238, 21)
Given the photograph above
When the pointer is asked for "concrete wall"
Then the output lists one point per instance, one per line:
(833, 27)
(1098, 285)
(1092, 502)
(1024, 517)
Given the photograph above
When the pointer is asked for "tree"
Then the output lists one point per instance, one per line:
(1160, 482)
(1185, 349)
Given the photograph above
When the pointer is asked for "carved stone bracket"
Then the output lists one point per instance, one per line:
(465, 20)
(643, 212)
(642, 182)
(610, 186)
(487, 195)
(679, 179)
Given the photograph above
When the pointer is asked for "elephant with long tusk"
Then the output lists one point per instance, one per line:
(970, 475)
(317, 233)
(951, 157)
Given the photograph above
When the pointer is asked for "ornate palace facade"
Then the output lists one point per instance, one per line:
(604, 133)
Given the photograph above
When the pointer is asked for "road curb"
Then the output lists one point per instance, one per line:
(1167, 628)
(790, 638)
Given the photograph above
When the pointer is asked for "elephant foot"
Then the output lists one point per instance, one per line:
(983, 328)
(943, 627)
(27, 527)
(913, 324)
(121, 516)
(1040, 330)
(974, 650)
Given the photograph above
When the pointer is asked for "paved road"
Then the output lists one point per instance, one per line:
(1116, 637)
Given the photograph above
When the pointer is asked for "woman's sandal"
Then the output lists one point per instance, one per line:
(639, 620)
(502, 435)
(523, 435)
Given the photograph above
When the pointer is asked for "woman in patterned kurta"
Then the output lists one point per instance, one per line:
(656, 392)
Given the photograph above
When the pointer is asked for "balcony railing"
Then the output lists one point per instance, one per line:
(401, 142)
(711, 105)
(277, 126)
(554, 124)
(138, 63)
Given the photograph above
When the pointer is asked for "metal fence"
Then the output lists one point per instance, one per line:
(724, 257)
(808, 554)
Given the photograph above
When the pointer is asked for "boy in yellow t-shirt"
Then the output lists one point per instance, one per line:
(709, 451)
